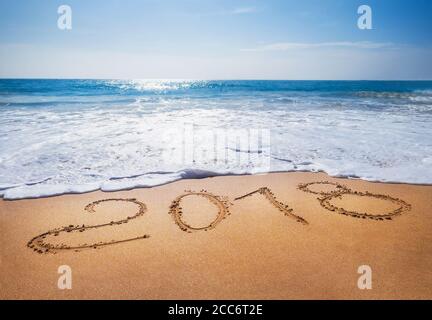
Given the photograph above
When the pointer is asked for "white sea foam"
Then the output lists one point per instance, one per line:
(74, 148)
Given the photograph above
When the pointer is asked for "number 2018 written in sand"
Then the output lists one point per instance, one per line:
(40, 244)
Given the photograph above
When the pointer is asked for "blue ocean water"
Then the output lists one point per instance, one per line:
(63, 136)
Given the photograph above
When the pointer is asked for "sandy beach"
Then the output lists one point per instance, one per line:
(193, 240)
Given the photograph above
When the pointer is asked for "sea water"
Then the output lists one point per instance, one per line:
(74, 136)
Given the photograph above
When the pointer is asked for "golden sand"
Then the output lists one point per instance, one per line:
(274, 236)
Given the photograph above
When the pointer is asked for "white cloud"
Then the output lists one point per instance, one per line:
(244, 10)
(27, 61)
(285, 46)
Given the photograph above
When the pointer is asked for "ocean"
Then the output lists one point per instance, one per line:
(74, 136)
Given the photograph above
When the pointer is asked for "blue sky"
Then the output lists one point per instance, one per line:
(205, 39)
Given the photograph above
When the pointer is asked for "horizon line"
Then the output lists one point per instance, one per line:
(206, 79)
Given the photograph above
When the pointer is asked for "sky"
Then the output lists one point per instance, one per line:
(216, 39)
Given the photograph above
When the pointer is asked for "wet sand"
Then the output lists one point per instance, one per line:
(208, 239)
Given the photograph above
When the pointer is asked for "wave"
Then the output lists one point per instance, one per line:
(147, 180)
(74, 136)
